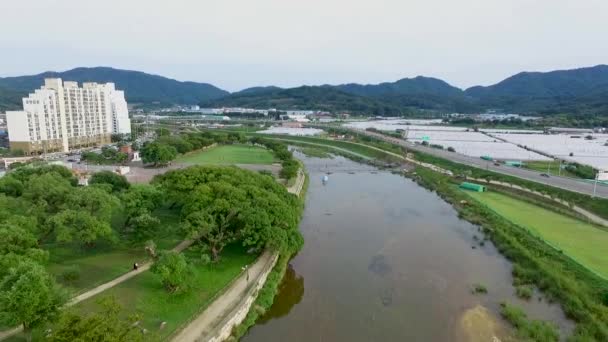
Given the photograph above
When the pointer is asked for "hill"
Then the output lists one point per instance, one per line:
(257, 90)
(325, 98)
(576, 90)
(139, 87)
(420, 92)
(10, 99)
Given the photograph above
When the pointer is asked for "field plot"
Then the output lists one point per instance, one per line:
(229, 154)
(292, 131)
(425, 125)
(583, 242)
(392, 125)
(475, 144)
(589, 152)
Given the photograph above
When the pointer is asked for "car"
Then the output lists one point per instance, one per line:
(71, 160)
(544, 175)
(496, 164)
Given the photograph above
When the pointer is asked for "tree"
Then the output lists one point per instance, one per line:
(107, 325)
(118, 182)
(29, 296)
(77, 225)
(158, 153)
(142, 227)
(173, 270)
(18, 241)
(220, 205)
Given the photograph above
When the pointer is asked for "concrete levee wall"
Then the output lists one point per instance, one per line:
(238, 314)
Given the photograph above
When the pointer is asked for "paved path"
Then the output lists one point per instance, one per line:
(202, 327)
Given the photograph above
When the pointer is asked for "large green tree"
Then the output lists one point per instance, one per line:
(221, 205)
(29, 296)
(107, 325)
(173, 270)
(118, 182)
(158, 153)
(80, 226)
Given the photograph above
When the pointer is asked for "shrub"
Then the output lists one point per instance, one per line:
(173, 270)
(524, 291)
(71, 274)
(479, 289)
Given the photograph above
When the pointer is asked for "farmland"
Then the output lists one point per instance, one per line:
(592, 152)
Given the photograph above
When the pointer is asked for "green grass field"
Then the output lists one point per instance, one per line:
(145, 295)
(229, 154)
(585, 243)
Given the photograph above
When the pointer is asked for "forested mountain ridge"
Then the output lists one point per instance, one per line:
(581, 91)
(139, 87)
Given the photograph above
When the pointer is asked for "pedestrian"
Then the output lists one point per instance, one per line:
(135, 266)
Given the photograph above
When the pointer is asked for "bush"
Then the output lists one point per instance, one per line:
(528, 329)
(118, 182)
(524, 291)
(71, 274)
(479, 289)
(173, 270)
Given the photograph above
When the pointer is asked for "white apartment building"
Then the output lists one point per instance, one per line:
(61, 116)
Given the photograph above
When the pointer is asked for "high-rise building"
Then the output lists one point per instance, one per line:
(61, 116)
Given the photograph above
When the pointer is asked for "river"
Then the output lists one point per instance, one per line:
(387, 260)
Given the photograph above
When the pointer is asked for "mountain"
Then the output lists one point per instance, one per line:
(139, 87)
(575, 90)
(324, 98)
(419, 92)
(407, 86)
(579, 91)
(10, 99)
(257, 90)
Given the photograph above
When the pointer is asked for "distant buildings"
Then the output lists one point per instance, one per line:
(61, 116)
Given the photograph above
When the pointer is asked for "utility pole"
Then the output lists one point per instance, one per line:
(597, 176)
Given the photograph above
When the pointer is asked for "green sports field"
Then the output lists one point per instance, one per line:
(585, 243)
(229, 154)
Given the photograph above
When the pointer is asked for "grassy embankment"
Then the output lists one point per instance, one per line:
(582, 294)
(583, 242)
(599, 206)
(229, 154)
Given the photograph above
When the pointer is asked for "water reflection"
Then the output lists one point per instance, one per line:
(291, 292)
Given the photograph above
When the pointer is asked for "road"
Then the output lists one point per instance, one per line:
(555, 181)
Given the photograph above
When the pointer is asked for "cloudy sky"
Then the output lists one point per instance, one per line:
(241, 43)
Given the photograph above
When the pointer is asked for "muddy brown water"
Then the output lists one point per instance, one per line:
(387, 260)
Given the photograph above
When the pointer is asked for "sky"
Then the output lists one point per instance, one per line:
(235, 44)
